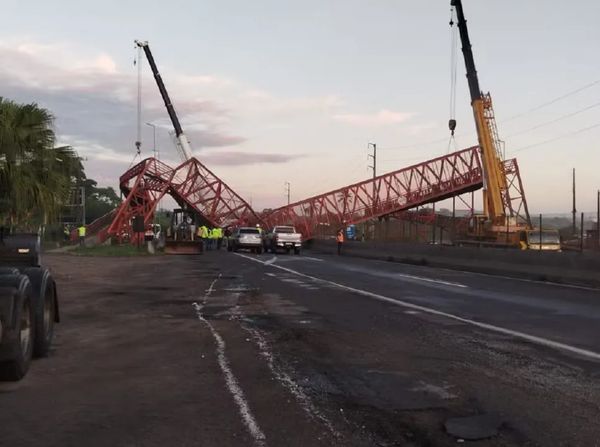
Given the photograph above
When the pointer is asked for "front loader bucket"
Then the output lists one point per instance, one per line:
(183, 247)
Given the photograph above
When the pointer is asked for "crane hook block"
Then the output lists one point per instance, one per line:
(452, 125)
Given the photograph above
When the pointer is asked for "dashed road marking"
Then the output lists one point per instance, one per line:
(294, 281)
(490, 327)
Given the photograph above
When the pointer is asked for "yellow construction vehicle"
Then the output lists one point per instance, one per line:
(505, 219)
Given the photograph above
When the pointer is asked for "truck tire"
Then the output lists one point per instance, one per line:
(17, 348)
(45, 306)
(259, 251)
(296, 251)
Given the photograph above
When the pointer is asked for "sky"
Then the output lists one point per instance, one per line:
(270, 92)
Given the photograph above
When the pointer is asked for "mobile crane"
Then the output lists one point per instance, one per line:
(181, 218)
(501, 223)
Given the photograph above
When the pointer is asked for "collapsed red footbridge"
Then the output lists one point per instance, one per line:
(193, 186)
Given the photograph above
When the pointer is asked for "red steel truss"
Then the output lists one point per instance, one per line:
(194, 186)
(427, 182)
(514, 195)
(191, 184)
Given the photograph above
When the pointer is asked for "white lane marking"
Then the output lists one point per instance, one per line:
(232, 383)
(490, 327)
(286, 380)
(406, 276)
(270, 261)
(512, 278)
(435, 281)
(535, 281)
(311, 258)
(412, 312)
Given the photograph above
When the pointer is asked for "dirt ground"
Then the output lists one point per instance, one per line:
(132, 365)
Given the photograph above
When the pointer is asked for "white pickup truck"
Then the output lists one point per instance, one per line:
(284, 237)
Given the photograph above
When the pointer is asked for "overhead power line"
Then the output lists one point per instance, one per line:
(560, 118)
(576, 132)
(538, 107)
(552, 101)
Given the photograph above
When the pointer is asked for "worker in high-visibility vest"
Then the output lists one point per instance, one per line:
(211, 238)
(81, 232)
(340, 241)
(204, 236)
(218, 237)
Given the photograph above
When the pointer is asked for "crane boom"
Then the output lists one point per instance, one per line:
(495, 203)
(467, 51)
(181, 137)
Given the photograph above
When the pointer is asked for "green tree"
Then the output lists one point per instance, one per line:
(99, 201)
(35, 176)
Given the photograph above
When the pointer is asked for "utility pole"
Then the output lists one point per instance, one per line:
(374, 157)
(598, 220)
(287, 189)
(574, 207)
(374, 168)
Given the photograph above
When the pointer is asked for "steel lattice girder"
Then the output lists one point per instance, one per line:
(191, 184)
(515, 203)
(430, 181)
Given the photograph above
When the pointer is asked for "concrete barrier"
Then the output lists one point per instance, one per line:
(565, 267)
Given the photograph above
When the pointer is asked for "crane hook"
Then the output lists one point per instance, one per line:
(452, 126)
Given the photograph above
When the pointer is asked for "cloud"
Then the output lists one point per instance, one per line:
(382, 118)
(93, 101)
(235, 158)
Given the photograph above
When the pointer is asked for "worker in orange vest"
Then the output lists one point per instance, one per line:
(340, 240)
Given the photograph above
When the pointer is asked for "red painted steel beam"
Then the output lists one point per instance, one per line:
(430, 181)
(191, 183)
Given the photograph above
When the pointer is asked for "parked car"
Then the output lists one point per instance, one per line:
(283, 237)
(246, 237)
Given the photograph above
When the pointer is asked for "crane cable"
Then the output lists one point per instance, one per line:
(137, 60)
(453, 77)
(138, 142)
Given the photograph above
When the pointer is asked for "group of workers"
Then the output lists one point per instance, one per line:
(211, 237)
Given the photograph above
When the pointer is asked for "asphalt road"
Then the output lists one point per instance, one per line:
(411, 340)
(231, 349)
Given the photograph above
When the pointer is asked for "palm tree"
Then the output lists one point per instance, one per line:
(35, 177)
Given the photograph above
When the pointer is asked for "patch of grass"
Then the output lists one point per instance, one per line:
(112, 250)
